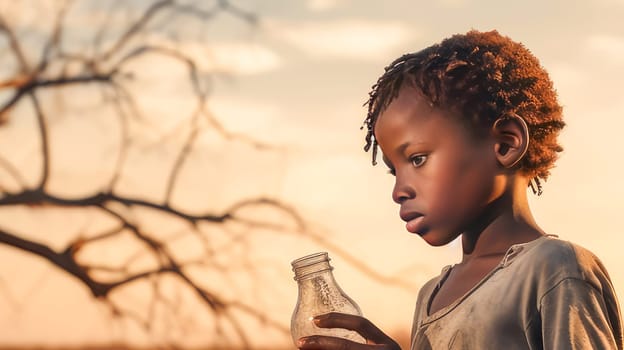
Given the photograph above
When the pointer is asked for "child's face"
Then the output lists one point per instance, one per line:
(445, 177)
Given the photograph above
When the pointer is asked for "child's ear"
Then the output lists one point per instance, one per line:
(512, 139)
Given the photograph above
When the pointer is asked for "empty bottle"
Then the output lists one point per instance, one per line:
(319, 294)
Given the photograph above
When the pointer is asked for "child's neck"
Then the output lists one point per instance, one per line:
(506, 221)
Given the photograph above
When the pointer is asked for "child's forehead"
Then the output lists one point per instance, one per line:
(411, 100)
(408, 97)
(412, 120)
(410, 106)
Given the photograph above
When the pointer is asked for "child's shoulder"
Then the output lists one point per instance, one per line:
(560, 252)
(560, 259)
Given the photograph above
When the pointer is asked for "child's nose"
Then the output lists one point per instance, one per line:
(402, 191)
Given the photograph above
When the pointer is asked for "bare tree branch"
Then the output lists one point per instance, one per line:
(135, 27)
(43, 136)
(63, 260)
(184, 152)
(27, 85)
(54, 42)
(16, 48)
(14, 172)
(124, 137)
(109, 66)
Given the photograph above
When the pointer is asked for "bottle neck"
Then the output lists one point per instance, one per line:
(311, 265)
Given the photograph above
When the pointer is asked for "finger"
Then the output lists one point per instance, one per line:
(319, 342)
(355, 323)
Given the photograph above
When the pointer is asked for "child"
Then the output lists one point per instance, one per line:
(466, 126)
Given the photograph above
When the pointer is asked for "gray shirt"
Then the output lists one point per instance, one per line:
(544, 294)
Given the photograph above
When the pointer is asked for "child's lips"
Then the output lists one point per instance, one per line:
(412, 220)
(412, 225)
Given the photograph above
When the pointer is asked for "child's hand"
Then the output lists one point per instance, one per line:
(375, 338)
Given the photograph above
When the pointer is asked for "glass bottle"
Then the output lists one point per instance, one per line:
(319, 294)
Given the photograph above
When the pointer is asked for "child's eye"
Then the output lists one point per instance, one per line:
(418, 160)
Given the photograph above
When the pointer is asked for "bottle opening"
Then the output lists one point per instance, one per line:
(310, 259)
(309, 264)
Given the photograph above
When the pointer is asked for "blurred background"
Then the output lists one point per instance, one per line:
(162, 162)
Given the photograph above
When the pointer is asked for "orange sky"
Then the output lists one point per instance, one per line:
(299, 80)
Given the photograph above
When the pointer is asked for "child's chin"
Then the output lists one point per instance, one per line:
(434, 239)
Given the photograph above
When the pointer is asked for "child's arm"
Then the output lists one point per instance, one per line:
(578, 315)
(376, 339)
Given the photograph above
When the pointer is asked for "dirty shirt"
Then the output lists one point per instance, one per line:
(544, 294)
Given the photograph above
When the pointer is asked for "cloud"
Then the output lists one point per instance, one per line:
(322, 5)
(350, 39)
(233, 57)
(83, 22)
(609, 47)
(242, 58)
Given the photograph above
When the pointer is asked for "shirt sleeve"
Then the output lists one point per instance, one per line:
(575, 315)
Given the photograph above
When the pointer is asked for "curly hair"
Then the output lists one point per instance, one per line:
(484, 76)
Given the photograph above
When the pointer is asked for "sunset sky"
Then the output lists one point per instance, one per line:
(298, 79)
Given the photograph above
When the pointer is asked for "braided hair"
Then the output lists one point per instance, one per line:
(483, 76)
